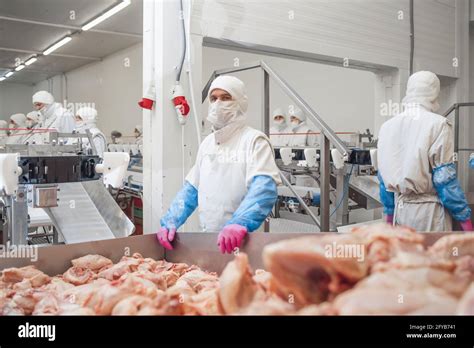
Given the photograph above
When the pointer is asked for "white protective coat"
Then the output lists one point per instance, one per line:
(410, 146)
(55, 116)
(227, 161)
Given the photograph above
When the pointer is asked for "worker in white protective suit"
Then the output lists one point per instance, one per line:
(302, 134)
(86, 118)
(17, 128)
(235, 177)
(34, 134)
(53, 115)
(418, 183)
(138, 132)
(3, 132)
(279, 131)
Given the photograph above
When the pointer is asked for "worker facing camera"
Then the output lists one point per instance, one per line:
(279, 130)
(418, 180)
(53, 115)
(302, 134)
(86, 119)
(234, 198)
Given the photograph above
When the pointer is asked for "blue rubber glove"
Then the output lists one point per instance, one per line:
(471, 161)
(387, 198)
(257, 204)
(450, 193)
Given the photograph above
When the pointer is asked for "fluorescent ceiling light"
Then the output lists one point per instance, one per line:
(57, 45)
(31, 61)
(106, 15)
(8, 74)
(2, 79)
(20, 67)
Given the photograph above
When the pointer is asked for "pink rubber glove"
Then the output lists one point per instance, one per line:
(231, 237)
(466, 225)
(389, 219)
(166, 236)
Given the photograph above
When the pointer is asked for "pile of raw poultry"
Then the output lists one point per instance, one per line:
(314, 275)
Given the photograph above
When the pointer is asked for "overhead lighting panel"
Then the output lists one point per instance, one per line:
(58, 44)
(20, 67)
(8, 74)
(31, 61)
(106, 15)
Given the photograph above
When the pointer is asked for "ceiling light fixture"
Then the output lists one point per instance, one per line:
(58, 44)
(31, 61)
(20, 67)
(106, 15)
(8, 74)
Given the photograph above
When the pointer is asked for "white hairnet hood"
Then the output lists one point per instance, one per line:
(34, 116)
(19, 119)
(298, 113)
(278, 112)
(43, 97)
(423, 89)
(233, 86)
(88, 115)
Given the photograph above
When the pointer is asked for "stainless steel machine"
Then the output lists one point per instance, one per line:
(66, 183)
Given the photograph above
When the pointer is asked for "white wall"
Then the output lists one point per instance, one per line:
(110, 84)
(343, 97)
(14, 98)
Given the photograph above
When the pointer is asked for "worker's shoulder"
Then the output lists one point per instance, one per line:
(253, 134)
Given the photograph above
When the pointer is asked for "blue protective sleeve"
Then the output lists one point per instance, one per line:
(181, 208)
(450, 192)
(471, 163)
(387, 198)
(257, 203)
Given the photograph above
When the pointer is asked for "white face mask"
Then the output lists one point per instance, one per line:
(295, 125)
(221, 113)
(30, 123)
(11, 126)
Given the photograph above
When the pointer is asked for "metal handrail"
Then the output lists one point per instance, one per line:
(455, 107)
(328, 135)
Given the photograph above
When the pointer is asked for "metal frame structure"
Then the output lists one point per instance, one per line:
(455, 108)
(328, 136)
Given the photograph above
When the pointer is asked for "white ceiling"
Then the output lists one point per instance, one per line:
(30, 26)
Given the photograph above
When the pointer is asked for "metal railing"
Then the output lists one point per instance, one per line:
(455, 108)
(328, 136)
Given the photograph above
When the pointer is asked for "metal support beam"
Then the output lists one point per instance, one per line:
(19, 217)
(266, 117)
(325, 186)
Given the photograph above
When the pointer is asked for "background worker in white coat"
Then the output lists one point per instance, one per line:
(138, 132)
(301, 132)
(235, 177)
(53, 115)
(418, 183)
(32, 124)
(86, 118)
(17, 129)
(279, 131)
(3, 132)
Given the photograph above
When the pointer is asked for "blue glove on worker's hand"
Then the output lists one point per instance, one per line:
(471, 161)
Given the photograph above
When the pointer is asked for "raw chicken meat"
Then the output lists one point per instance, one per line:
(35, 277)
(453, 247)
(310, 269)
(92, 262)
(466, 304)
(377, 269)
(78, 275)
